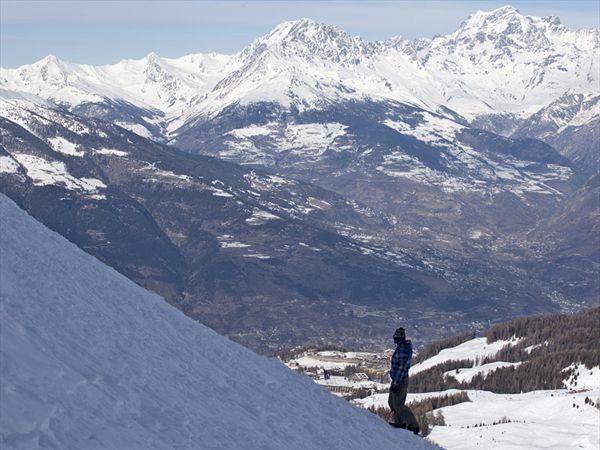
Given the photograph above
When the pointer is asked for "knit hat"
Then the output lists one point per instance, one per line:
(399, 335)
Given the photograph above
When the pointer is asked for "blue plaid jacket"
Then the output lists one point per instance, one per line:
(401, 361)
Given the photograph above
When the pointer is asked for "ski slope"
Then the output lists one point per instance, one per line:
(90, 360)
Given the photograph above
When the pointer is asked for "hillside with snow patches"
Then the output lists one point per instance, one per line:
(89, 360)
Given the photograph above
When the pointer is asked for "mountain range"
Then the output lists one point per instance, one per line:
(496, 63)
(319, 186)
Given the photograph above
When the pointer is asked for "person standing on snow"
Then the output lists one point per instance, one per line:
(400, 363)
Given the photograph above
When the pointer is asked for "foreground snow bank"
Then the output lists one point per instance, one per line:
(89, 359)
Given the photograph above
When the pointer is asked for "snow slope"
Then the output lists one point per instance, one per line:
(91, 360)
(465, 375)
(475, 349)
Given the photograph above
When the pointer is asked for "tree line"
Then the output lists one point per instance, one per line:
(548, 345)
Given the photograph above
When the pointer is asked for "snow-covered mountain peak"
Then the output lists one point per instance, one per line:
(309, 40)
(504, 61)
(304, 30)
(480, 19)
(48, 59)
(506, 27)
(151, 57)
(156, 72)
(50, 69)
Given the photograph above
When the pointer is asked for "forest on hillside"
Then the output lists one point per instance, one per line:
(548, 345)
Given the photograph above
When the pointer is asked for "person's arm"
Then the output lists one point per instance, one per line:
(394, 367)
(407, 360)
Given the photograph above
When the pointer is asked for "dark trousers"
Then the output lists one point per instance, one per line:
(403, 416)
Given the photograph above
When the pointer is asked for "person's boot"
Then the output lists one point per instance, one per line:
(415, 430)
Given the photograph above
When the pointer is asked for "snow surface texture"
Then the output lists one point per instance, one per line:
(587, 378)
(91, 360)
(465, 375)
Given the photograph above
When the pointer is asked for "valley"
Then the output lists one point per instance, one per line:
(308, 190)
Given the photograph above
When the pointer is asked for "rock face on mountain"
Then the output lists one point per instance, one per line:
(420, 168)
(268, 260)
(575, 227)
(570, 124)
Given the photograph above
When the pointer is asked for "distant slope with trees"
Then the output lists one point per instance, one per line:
(547, 345)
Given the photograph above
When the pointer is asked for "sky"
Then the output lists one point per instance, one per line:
(106, 31)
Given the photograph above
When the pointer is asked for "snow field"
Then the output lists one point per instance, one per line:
(111, 151)
(8, 165)
(43, 173)
(556, 419)
(587, 378)
(477, 348)
(534, 420)
(260, 217)
(307, 361)
(465, 375)
(61, 145)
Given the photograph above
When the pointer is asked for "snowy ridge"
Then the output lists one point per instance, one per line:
(89, 359)
(150, 82)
